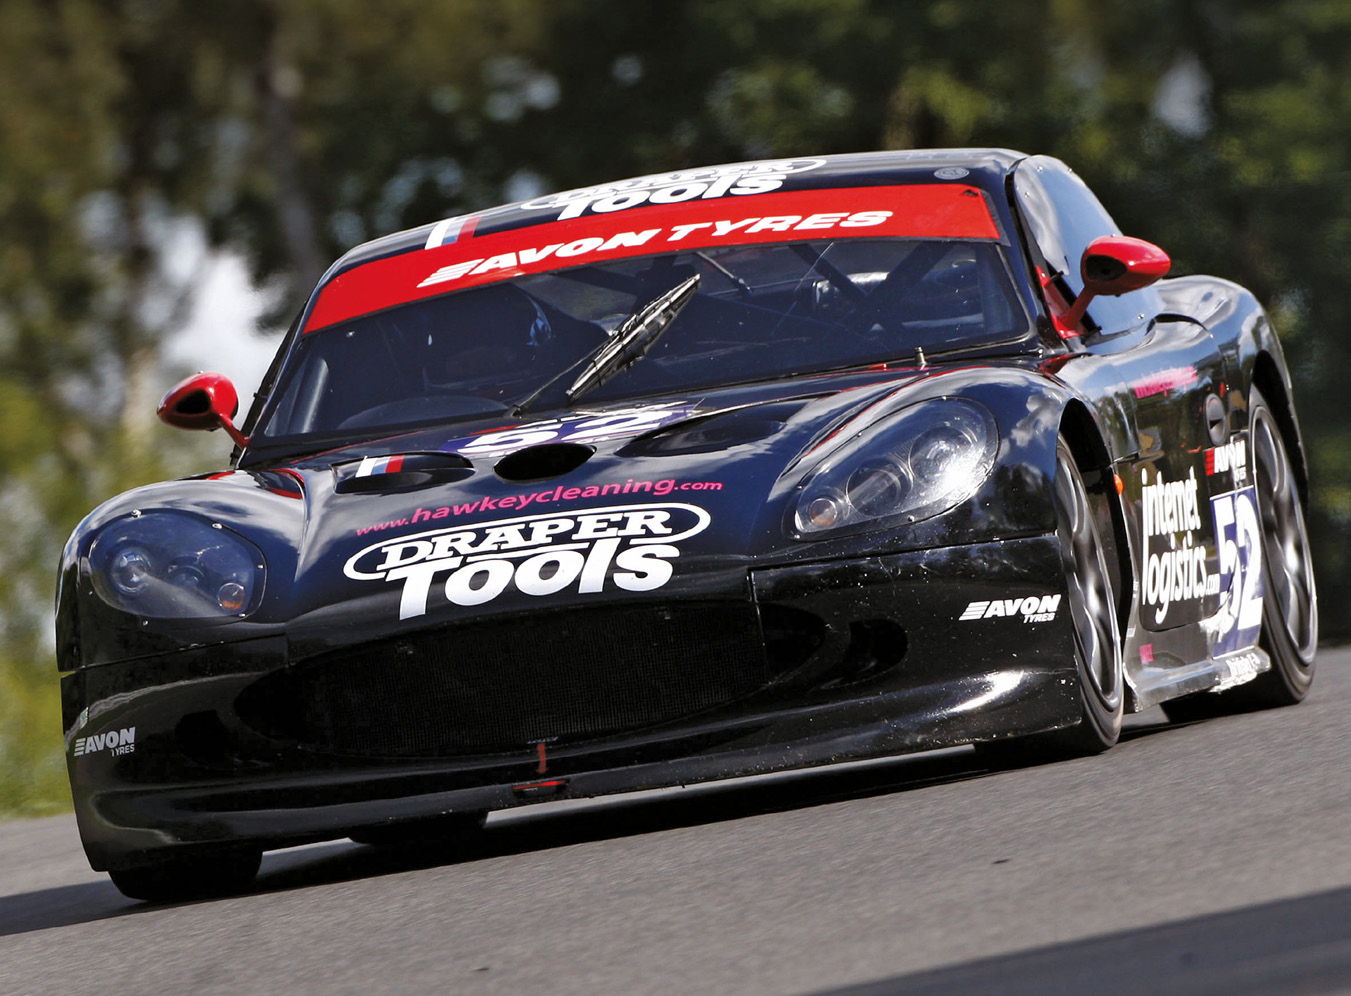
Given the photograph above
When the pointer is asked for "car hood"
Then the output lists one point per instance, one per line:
(680, 496)
(697, 475)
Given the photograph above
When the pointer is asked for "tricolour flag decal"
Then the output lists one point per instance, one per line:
(371, 466)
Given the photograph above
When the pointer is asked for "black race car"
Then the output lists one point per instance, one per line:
(688, 476)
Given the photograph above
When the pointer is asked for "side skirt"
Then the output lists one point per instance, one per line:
(1168, 677)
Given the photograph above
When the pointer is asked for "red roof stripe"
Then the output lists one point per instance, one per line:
(910, 211)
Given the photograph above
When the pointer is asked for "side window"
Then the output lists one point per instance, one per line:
(1063, 217)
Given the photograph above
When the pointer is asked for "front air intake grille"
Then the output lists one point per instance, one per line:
(502, 685)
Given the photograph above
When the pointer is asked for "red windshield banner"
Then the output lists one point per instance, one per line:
(928, 211)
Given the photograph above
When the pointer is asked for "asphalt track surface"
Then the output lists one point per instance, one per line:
(1210, 858)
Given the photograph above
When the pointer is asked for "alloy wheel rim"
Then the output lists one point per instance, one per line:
(1285, 541)
(1086, 577)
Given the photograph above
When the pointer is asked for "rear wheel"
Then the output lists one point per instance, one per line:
(1290, 607)
(198, 877)
(1290, 602)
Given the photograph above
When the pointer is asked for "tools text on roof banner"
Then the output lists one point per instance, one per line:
(736, 180)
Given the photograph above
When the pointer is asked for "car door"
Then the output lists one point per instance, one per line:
(1159, 378)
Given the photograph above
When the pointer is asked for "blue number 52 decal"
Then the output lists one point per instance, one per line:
(1238, 536)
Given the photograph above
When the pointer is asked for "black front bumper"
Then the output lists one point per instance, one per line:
(823, 662)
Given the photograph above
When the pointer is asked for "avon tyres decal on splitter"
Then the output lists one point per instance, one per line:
(631, 547)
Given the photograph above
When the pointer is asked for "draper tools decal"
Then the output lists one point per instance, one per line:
(623, 546)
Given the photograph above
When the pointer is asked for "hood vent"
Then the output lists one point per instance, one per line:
(542, 463)
(717, 431)
(400, 472)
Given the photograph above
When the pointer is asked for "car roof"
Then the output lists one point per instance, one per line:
(984, 168)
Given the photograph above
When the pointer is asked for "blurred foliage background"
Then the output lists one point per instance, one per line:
(142, 139)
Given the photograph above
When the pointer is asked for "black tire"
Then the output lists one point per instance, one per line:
(1097, 643)
(452, 829)
(1290, 604)
(197, 877)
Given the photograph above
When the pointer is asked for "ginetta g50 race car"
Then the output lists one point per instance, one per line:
(683, 477)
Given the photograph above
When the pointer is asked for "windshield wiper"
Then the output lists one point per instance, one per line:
(741, 284)
(614, 355)
(634, 338)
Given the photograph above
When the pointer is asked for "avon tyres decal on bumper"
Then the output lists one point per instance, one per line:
(1032, 609)
(625, 546)
(116, 742)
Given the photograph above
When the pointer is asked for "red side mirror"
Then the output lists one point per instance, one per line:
(203, 401)
(1117, 264)
(1113, 265)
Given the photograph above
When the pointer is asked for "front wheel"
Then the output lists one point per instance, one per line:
(1092, 609)
(1097, 644)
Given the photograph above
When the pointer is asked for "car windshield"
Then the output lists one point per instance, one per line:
(757, 312)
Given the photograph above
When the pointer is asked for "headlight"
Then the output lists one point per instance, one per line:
(916, 463)
(168, 565)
